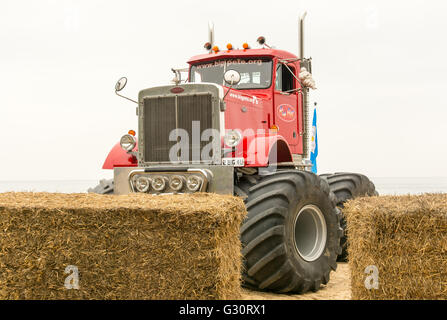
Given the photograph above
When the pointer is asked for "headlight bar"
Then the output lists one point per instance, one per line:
(192, 180)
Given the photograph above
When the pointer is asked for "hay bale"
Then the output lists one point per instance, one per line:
(125, 247)
(405, 237)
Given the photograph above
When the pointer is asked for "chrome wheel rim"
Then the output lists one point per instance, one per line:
(310, 233)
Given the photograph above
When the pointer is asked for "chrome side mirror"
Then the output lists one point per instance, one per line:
(120, 84)
(232, 77)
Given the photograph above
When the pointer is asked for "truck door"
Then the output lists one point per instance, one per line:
(286, 109)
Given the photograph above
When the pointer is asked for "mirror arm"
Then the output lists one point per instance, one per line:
(288, 92)
(299, 81)
(125, 97)
(229, 88)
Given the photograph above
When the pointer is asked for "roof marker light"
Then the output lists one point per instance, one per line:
(246, 46)
(216, 49)
(229, 46)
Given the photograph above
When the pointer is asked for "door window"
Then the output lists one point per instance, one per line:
(284, 78)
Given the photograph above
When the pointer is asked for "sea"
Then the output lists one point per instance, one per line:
(384, 185)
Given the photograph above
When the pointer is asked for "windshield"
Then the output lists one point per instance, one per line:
(255, 73)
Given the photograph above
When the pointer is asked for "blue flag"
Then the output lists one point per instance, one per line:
(314, 142)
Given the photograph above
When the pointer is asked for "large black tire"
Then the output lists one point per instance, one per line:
(347, 186)
(104, 187)
(270, 241)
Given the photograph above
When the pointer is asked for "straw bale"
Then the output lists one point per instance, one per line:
(125, 247)
(405, 237)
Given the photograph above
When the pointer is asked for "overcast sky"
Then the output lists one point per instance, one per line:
(380, 69)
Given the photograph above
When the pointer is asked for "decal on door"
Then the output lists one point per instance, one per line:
(253, 99)
(286, 112)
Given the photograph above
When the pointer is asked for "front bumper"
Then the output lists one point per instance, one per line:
(216, 179)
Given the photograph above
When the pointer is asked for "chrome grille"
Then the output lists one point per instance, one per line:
(162, 115)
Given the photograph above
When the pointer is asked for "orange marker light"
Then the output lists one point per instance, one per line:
(131, 132)
(245, 46)
(274, 127)
(229, 46)
(216, 49)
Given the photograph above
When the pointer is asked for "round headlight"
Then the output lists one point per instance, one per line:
(128, 142)
(176, 183)
(142, 184)
(232, 138)
(158, 183)
(194, 183)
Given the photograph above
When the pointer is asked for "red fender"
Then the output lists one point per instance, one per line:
(119, 158)
(260, 149)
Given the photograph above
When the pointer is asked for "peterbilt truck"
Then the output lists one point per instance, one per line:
(239, 123)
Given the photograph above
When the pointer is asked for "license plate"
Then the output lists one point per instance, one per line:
(235, 162)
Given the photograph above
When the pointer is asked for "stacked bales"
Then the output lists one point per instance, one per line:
(405, 237)
(124, 247)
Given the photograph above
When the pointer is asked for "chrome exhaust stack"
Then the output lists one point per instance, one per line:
(301, 37)
(305, 92)
(211, 34)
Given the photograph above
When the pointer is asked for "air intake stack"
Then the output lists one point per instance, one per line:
(211, 35)
(305, 63)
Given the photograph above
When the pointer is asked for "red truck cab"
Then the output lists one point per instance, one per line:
(267, 97)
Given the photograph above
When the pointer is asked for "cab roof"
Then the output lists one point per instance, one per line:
(243, 53)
